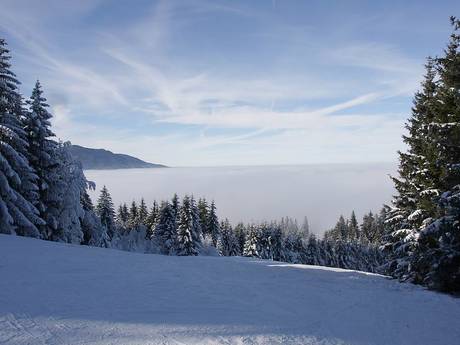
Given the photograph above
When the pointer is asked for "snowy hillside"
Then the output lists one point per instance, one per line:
(53, 293)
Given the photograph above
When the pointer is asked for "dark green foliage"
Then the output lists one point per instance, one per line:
(423, 239)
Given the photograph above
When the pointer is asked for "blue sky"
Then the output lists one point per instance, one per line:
(204, 83)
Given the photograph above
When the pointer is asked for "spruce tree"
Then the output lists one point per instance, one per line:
(105, 211)
(152, 219)
(187, 243)
(175, 206)
(41, 153)
(165, 234)
(227, 244)
(213, 224)
(252, 246)
(353, 228)
(142, 213)
(240, 237)
(305, 229)
(436, 259)
(197, 230)
(203, 212)
(133, 215)
(18, 189)
(423, 243)
(63, 196)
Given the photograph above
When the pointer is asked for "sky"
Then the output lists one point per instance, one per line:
(212, 83)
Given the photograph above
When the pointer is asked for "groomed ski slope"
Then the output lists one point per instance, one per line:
(53, 293)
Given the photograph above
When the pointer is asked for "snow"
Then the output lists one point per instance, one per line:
(53, 293)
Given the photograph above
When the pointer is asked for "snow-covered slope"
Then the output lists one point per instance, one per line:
(53, 293)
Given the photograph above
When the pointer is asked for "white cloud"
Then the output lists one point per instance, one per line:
(131, 71)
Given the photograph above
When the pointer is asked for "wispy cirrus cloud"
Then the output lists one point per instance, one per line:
(214, 77)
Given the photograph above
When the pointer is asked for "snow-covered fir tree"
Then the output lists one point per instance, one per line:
(187, 231)
(142, 213)
(133, 220)
(41, 152)
(94, 233)
(305, 228)
(203, 213)
(240, 237)
(106, 212)
(197, 230)
(63, 196)
(227, 244)
(425, 243)
(213, 229)
(165, 233)
(152, 219)
(353, 228)
(175, 206)
(252, 246)
(18, 189)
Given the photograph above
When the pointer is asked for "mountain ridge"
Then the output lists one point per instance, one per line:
(102, 159)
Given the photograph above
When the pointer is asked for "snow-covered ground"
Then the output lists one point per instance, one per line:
(53, 293)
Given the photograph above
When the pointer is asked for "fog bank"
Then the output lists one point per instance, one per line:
(320, 192)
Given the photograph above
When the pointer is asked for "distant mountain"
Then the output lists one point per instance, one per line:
(104, 159)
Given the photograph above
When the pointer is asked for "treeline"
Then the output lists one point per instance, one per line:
(190, 227)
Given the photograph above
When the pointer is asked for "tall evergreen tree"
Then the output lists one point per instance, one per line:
(42, 153)
(240, 236)
(305, 229)
(353, 228)
(424, 242)
(142, 213)
(197, 230)
(227, 244)
(152, 219)
(213, 224)
(18, 190)
(203, 213)
(105, 211)
(165, 234)
(133, 215)
(175, 206)
(187, 243)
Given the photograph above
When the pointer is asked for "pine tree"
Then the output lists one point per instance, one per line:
(368, 229)
(105, 211)
(187, 243)
(94, 234)
(63, 196)
(175, 206)
(252, 246)
(213, 224)
(152, 219)
(18, 190)
(227, 244)
(133, 216)
(165, 234)
(142, 213)
(240, 237)
(197, 230)
(353, 228)
(340, 231)
(423, 243)
(436, 259)
(203, 212)
(41, 152)
(305, 229)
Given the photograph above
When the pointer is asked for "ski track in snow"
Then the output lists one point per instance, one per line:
(54, 294)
